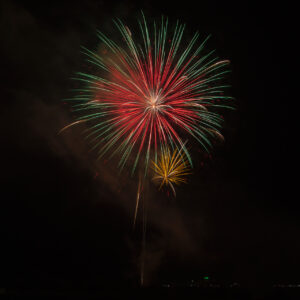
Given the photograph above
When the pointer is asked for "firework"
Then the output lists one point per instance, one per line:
(148, 91)
(171, 169)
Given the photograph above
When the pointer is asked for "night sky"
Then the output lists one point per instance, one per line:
(66, 219)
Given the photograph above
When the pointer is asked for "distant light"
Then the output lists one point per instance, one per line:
(206, 277)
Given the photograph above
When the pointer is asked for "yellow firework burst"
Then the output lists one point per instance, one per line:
(171, 169)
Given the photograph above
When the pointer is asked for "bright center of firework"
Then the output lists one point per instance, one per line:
(154, 103)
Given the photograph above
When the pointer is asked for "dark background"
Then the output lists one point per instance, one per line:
(66, 220)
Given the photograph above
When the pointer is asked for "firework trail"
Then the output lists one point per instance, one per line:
(70, 125)
(148, 92)
(138, 196)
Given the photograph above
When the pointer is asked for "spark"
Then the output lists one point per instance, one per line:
(70, 125)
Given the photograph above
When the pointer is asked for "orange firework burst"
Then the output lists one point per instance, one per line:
(171, 168)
